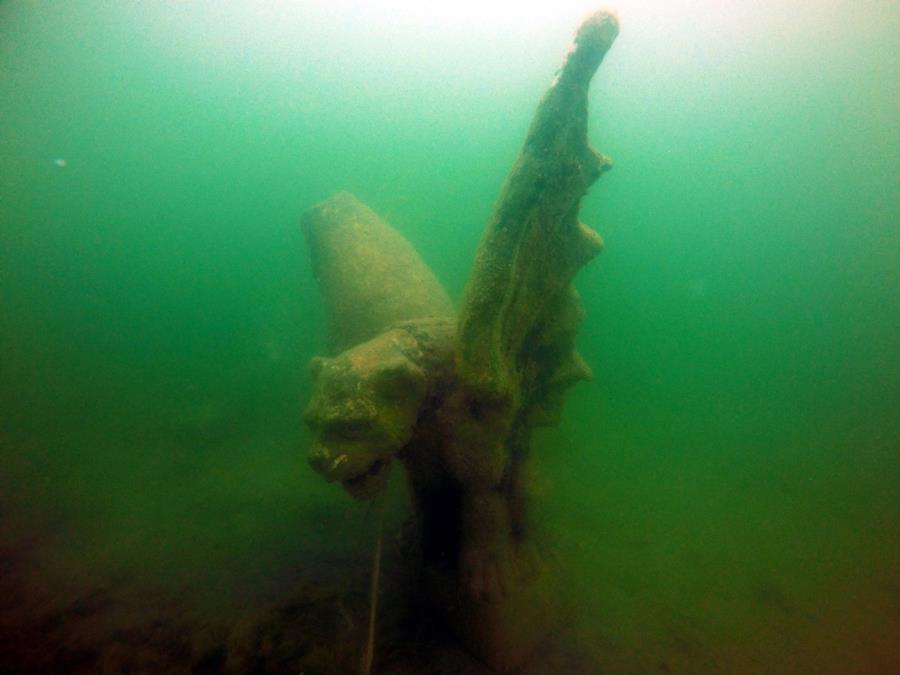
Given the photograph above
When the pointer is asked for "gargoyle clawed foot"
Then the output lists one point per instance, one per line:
(491, 575)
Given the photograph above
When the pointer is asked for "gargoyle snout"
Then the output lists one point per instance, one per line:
(335, 464)
(319, 459)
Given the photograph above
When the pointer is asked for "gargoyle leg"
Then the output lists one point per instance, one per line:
(488, 570)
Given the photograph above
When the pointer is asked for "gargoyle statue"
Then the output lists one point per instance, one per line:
(455, 399)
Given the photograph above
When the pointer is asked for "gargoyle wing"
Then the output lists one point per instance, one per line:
(370, 276)
(519, 312)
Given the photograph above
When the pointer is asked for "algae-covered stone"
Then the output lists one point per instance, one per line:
(370, 276)
(367, 401)
(457, 401)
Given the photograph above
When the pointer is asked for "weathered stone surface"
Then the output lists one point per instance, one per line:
(534, 243)
(370, 276)
(457, 401)
(368, 400)
(515, 351)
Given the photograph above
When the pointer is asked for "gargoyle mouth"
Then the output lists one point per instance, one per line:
(367, 484)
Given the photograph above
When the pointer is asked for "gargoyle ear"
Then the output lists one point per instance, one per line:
(398, 378)
(316, 366)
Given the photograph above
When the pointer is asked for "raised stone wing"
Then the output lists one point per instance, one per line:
(370, 276)
(519, 302)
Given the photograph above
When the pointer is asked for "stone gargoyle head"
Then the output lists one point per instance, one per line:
(363, 410)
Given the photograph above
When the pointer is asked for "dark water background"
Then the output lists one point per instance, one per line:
(725, 493)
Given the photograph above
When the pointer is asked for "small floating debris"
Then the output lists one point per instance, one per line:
(60, 162)
(697, 288)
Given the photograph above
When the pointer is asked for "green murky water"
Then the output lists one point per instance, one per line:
(725, 494)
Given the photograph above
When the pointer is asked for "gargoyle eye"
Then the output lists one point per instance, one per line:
(399, 378)
(352, 427)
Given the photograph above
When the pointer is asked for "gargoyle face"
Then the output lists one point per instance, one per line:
(363, 411)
